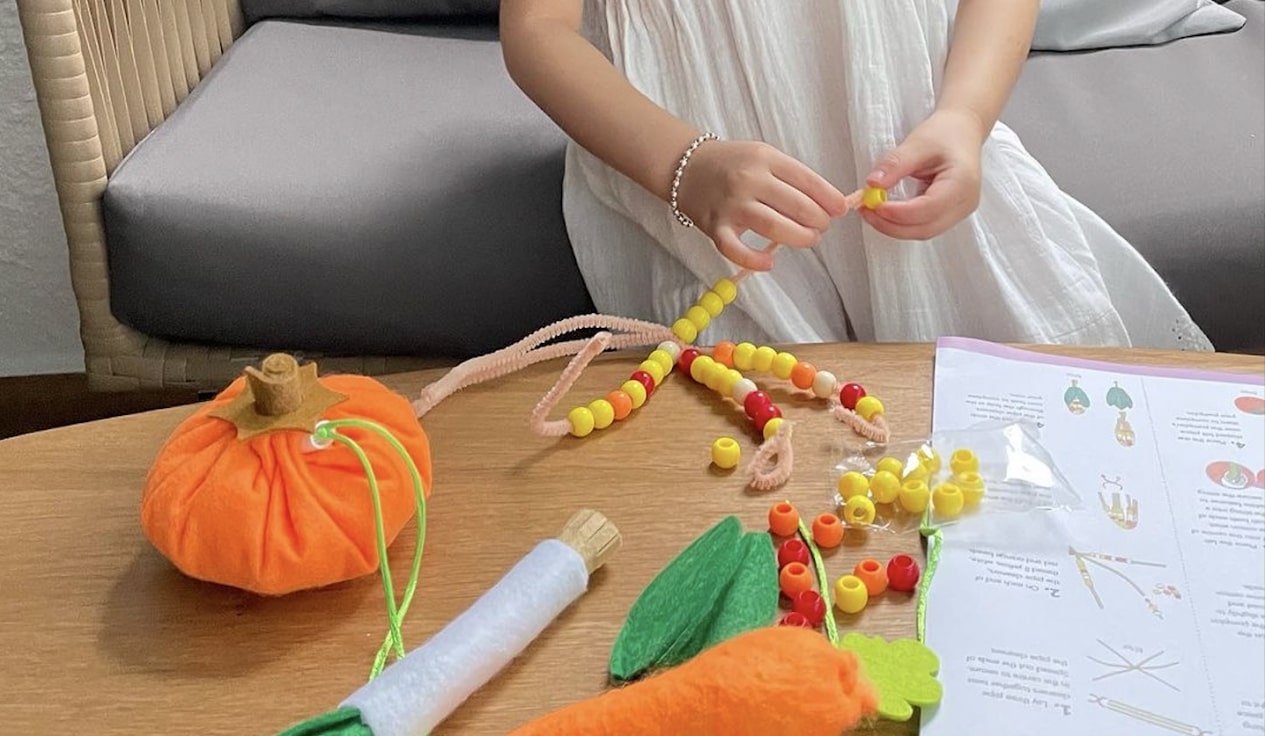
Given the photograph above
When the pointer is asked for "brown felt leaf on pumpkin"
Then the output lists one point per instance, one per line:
(279, 395)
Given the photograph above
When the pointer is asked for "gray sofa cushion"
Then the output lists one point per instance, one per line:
(368, 9)
(346, 189)
(1167, 143)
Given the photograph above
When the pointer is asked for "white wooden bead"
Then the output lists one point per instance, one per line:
(824, 384)
(671, 348)
(742, 387)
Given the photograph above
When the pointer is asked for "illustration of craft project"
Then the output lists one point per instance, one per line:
(1125, 665)
(1123, 514)
(1234, 476)
(1250, 405)
(1075, 398)
(1120, 399)
(1169, 590)
(1147, 717)
(1107, 563)
(726, 370)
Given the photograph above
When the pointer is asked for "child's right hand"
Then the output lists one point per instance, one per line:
(730, 187)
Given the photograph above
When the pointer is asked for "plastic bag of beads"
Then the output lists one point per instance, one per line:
(988, 468)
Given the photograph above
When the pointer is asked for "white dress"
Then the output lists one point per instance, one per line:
(836, 84)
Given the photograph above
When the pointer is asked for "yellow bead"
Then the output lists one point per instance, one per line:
(852, 484)
(947, 500)
(859, 511)
(972, 487)
(603, 413)
(893, 466)
(727, 381)
(918, 472)
(685, 330)
(726, 290)
(635, 391)
(931, 459)
(744, 356)
(850, 594)
(869, 407)
(885, 487)
(783, 364)
(763, 359)
(581, 420)
(963, 461)
(700, 366)
(664, 359)
(655, 369)
(771, 427)
(698, 317)
(712, 303)
(726, 453)
(873, 197)
(914, 496)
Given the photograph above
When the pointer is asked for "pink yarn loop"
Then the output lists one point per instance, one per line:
(875, 431)
(771, 467)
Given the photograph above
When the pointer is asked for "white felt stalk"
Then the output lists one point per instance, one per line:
(418, 692)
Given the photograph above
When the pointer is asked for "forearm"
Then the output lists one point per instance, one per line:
(991, 41)
(591, 101)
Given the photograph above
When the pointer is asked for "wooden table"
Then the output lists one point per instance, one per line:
(98, 633)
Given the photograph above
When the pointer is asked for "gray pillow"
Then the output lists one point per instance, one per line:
(379, 9)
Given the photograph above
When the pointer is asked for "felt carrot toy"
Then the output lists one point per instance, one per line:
(773, 680)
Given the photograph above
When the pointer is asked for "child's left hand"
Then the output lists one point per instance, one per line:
(944, 153)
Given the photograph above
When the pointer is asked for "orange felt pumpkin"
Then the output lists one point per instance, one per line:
(245, 502)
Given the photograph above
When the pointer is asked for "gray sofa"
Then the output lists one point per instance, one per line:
(376, 188)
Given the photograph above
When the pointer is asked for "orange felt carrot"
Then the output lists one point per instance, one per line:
(773, 680)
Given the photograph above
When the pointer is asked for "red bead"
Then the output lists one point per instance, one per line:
(687, 359)
(763, 416)
(754, 401)
(795, 619)
(792, 550)
(902, 574)
(645, 379)
(850, 394)
(810, 605)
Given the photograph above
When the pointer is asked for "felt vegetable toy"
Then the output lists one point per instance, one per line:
(772, 680)
(1076, 399)
(250, 492)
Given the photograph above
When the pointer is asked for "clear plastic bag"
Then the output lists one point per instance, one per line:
(1018, 475)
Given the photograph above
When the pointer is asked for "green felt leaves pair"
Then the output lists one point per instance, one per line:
(902, 672)
(723, 584)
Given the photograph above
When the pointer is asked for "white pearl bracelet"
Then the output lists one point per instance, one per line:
(681, 217)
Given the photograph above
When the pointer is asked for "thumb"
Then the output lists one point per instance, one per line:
(902, 161)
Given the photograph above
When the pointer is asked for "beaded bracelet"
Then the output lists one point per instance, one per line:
(681, 217)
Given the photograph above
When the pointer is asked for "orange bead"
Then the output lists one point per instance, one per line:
(621, 403)
(827, 531)
(783, 519)
(794, 579)
(802, 375)
(873, 575)
(723, 353)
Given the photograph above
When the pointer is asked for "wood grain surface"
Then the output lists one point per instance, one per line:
(100, 635)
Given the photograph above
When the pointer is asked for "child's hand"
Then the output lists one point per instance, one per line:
(943, 152)
(730, 187)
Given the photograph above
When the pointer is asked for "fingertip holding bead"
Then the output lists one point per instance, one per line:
(873, 575)
(963, 461)
(824, 384)
(850, 394)
(581, 420)
(636, 391)
(810, 605)
(859, 511)
(947, 500)
(762, 361)
(872, 197)
(771, 427)
(850, 594)
(603, 413)
(893, 466)
(744, 356)
(972, 486)
(914, 496)
(794, 579)
(783, 364)
(783, 519)
(723, 353)
(685, 330)
(827, 531)
(885, 487)
(869, 407)
(852, 484)
(726, 290)
(802, 375)
(902, 574)
(792, 550)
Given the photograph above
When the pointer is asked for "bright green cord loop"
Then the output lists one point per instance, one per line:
(394, 641)
(832, 629)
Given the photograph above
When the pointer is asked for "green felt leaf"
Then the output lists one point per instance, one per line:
(903, 673)
(1119, 398)
(341, 722)
(664, 621)
(751, 600)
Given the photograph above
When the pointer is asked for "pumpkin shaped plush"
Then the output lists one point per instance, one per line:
(240, 494)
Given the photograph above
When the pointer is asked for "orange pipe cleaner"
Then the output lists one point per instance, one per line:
(773, 680)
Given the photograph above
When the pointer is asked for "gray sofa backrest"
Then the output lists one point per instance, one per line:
(367, 9)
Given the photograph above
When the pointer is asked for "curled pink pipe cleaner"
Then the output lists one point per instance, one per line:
(876, 431)
(771, 467)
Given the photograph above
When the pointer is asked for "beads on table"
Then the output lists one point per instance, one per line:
(963, 461)
(792, 550)
(885, 487)
(891, 465)
(850, 594)
(914, 496)
(582, 422)
(810, 605)
(744, 356)
(783, 519)
(709, 306)
(795, 618)
(824, 384)
(603, 413)
(869, 407)
(803, 374)
(850, 394)
(947, 500)
(827, 531)
(859, 511)
(794, 579)
(621, 403)
(902, 574)
(972, 487)
(852, 484)
(630, 396)
(873, 575)
(726, 453)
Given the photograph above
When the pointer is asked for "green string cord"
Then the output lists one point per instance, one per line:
(394, 640)
(934, 541)
(832, 629)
